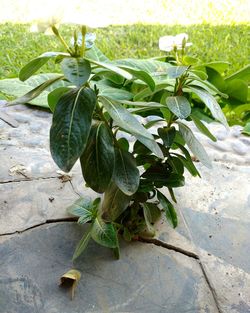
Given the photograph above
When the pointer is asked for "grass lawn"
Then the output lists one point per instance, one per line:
(223, 43)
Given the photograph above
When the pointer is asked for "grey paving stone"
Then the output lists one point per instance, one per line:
(147, 278)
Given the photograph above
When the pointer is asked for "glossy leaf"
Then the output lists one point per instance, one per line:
(104, 233)
(211, 103)
(17, 88)
(35, 92)
(83, 243)
(55, 95)
(71, 126)
(34, 65)
(127, 121)
(76, 70)
(126, 175)
(194, 145)
(202, 128)
(115, 202)
(169, 208)
(97, 161)
(179, 105)
(167, 135)
(112, 68)
(176, 71)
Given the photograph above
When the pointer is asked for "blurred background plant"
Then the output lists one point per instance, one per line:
(219, 30)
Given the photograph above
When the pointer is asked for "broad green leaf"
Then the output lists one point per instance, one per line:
(104, 233)
(15, 87)
(148, 218)
(148, 92)
(211, 103)
(179, 105)
(95, 54)
(176, 164)
(194, 145)
(188, 163)
(169, 208)
(187, 60)
(71, 126)
(55, 95)
(139, 148)
(176, 71)
(218, 66)
(167, 135)
(123, 144)
(127, 121)
(35, 92)
(34, 65)
(112, 68)
(142, 75)
(115, 202)
(83, 243)
(76, 70)
(202, 128)
(126, 175)
(216, 79)
(97, 161)
(111, 92)
(204, 84)
(242, 74)
(197, 73)
(237, 90)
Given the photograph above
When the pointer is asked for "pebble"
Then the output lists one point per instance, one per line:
(239, 147)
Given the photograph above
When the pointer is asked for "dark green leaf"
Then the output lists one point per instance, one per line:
(126, 175)
(188, 163)
(123, 144)
(194, 145)
(55, 95)
(34, 65)
(97, 161)
(83, 243)
(35, 92)
(104, 233)
(76, 70)
(202, 128)
(211, 103)
(237, 90)
(167, 135)
(177, 165)
(169, 209)
(115, 202)
(179, 105)
(71, 126)
(124, 119)
(139, 148)
(112, 68)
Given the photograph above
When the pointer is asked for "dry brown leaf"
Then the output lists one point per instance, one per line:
(70, 280)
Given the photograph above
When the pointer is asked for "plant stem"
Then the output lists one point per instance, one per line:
(56, 32)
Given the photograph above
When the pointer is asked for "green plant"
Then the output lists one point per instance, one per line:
(96, 103)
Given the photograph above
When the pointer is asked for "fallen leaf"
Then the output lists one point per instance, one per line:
(70, 280)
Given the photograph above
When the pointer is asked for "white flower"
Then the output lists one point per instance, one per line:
(169, 43)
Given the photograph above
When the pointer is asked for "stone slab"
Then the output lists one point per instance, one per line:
(147, 278)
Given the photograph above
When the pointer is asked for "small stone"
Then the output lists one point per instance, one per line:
(239, 147)
(51, 199)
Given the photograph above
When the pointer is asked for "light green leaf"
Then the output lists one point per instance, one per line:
(71, 126)
(242, 74)
(211, 103)
(29, 69)
(111, 92)
(97, 161)
(95, 54)
(218, 66)
(169, 208)
(83, 243)
(35, 92)
(115, 202)
(179, 105)
(104, 233)
(126, 175)
(148, 218)
(194, 145)
(174, 72)
(246, 129)
(76, 70)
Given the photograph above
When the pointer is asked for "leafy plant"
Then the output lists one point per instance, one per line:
(127, 121)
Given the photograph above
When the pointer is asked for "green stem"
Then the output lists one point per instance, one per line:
(56, 32)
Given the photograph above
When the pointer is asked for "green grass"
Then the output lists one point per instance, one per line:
(210, 43)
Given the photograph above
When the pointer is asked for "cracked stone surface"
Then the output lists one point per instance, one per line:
(214, 223)
(146, 279)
